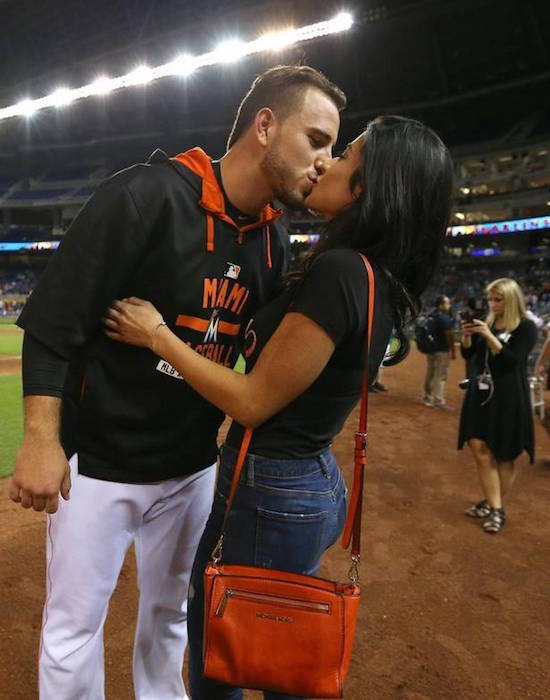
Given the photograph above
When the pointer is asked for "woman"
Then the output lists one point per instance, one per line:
(541, 364)
(496, 419)
(388, 195)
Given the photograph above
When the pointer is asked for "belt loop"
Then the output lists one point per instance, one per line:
(324, 466)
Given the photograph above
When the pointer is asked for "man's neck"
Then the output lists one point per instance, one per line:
(244, 183)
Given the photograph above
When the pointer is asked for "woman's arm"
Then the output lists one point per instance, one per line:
(480, 328)
(525, 337)
(290, 362)
(508, 355)
(542, 359)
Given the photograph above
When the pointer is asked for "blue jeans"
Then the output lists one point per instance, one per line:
(286, 513)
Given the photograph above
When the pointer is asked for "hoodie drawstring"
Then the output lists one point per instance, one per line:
(210, 239)
(267, 235)
(210, 233)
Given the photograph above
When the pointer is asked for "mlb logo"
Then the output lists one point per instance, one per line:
(232, 271)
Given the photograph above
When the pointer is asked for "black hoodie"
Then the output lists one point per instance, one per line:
(159, 231)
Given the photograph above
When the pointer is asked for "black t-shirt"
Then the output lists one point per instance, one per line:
(334, 294)
(443, 323)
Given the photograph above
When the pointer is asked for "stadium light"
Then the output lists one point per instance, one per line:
(62, 97)
(101, 86)
(276, 41)
(26, 108)
(342, 22)
(184, 65)
(460, 215)
(232, 50)
(227, 52)
(139, 76)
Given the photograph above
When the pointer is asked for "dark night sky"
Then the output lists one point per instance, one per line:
(475, 70)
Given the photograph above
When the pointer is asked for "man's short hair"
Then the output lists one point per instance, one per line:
(440, 300)
(282, 89)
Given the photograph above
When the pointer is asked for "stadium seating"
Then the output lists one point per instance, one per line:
(36, 195)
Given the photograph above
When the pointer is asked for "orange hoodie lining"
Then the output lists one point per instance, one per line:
(212, 199)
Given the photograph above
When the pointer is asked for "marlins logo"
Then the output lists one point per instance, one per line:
(232, 271)
(211, 335)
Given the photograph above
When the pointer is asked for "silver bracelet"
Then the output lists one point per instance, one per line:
(153, 334)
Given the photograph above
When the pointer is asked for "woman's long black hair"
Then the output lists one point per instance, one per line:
(399, 220)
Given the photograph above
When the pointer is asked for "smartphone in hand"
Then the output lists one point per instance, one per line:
(467, 316)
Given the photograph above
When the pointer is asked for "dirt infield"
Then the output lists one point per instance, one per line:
(448, 612)
(10, 364)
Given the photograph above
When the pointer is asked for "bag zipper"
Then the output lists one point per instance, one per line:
(265, 598)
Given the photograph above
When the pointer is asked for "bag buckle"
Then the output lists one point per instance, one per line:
(362, 439)
(353, 573)
(216, 555)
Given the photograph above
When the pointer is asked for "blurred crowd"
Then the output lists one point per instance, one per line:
(15, 286)
(465, 286)
(18, 282)
(9, 309)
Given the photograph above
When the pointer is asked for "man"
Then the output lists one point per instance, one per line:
(200, 240)
(441, 354)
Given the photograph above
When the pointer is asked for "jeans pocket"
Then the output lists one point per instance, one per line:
(289, 541)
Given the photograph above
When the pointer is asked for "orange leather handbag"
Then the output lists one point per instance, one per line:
(280, 631)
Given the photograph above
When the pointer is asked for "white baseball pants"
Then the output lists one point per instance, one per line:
(87, 540)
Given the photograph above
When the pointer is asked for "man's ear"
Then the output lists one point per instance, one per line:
(264, 123)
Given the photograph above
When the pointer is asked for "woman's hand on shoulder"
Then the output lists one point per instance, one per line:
(133, 321)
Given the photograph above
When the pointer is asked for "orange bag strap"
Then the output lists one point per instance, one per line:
(217, 552)
(352, 529)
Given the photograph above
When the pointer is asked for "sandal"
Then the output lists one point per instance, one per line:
(495, 521)
(479, 510)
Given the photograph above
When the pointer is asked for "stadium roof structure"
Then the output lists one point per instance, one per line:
(475, 70)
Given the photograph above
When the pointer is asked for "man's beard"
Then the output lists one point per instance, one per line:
(278, 174)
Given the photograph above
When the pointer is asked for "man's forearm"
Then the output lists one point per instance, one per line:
(41, 470)
(42, 417)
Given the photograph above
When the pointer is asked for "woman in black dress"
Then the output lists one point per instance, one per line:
(496, 419)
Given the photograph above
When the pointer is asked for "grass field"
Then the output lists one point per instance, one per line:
(11, 421)
(11, 338)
